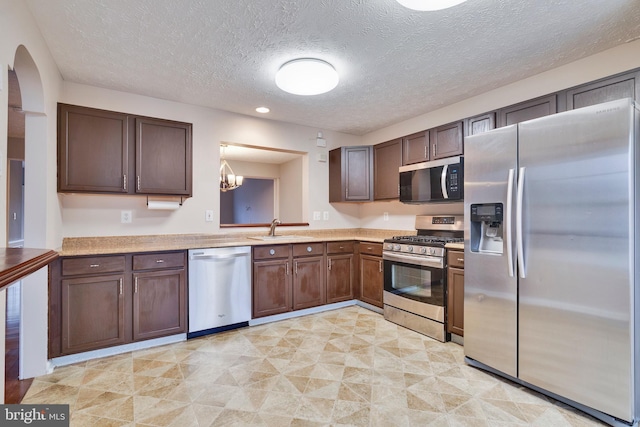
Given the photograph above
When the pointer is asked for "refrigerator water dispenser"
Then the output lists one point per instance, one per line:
(486, 228)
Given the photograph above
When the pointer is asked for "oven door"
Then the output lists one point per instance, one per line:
(420, 278)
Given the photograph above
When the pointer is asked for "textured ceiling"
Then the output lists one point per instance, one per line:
(394, 63)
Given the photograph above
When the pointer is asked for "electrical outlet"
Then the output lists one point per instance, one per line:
(325, 216)
(125, 217)
(385, 216)
(208, 216)
(317, 216)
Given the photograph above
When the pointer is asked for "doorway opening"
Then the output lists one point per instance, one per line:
(15, 389)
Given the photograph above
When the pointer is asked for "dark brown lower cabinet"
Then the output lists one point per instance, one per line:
(93, 313)
(340, 271)
(159, 302)
(271, 287)
(455, 292)
(101, 301)
(308, 282)
(371, 273)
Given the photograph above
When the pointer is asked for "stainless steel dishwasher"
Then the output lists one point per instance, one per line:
(219, 289)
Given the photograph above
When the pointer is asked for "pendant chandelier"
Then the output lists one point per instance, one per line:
(228, 179)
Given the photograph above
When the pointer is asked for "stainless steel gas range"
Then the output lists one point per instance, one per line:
(415, 279)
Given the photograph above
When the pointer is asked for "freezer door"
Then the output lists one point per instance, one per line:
(490, 296)
(576, 299)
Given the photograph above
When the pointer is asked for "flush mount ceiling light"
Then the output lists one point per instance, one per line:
(424, 5)
(307, 76)
(262, 110)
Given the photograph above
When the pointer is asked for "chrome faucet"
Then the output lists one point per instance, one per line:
(272, 229)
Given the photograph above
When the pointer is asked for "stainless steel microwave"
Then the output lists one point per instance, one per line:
(436, 181)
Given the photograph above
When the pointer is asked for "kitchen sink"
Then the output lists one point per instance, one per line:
(279, 237)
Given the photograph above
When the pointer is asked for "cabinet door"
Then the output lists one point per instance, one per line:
(92, 150)
(447, 141)
(308, 282)
(415, 148)
(163, 157)
(339, 278)
(271, 287)
(350, 174)
(387, 158)
(371, 280)
(159, 304)
(455, 301)
(529, 110)
(480, 124)
(624, 86)
(92, 313)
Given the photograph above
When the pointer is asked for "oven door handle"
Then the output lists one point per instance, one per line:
(424, 261)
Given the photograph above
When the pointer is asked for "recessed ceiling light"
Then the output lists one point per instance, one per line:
(263, 110)
(307, 76)
(424, 5)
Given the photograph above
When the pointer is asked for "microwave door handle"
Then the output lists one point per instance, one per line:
(519, 236)
(508, 224)
(443, 182)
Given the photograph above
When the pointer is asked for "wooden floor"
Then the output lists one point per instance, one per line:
(14, 389)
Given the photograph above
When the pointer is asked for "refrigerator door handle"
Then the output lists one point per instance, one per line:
(508, 224)
(519, 237)
(443, 182)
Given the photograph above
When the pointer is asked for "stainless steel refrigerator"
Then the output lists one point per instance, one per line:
(552, 299)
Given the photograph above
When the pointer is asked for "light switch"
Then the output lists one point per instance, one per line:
(325, 216)
(125, 217)
(208, 216)
(316, 216)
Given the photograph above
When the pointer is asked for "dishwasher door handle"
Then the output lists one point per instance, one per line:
(218, 257)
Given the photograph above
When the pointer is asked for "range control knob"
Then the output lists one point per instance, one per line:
(432, 251)
(396, 247)
(423, 250)
(409, 248)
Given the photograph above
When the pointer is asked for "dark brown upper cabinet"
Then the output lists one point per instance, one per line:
(528, 110)
(387, 159)
(163, 157)
(623, 86)
(479, 124)
(93, 150)
(447, 140)
(109, 152)
(416, 148)
(351, 174)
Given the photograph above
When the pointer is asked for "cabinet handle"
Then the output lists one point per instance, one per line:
(138, 182)
(94, 265)
(136, 288)
(272, 252)
(460, 259)
(434, 150)
(309, 249)
(329, 264)
(120, 286)
(159, 261)
(369, 248)
(425, 152)
(287, 268)
(296, 266)
(380, 266)
(124, 182)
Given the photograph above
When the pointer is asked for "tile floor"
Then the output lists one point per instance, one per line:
(341, 367)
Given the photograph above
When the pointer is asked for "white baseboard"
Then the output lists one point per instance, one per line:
(104, 352)
(298, 313)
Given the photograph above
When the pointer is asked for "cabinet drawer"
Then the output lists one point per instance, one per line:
(455, 259)
(371, 248)
(92, 265)
(308, 249)
(344, 247)
(160, 260)
(271, 251)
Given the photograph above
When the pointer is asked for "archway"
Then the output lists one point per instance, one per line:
(33, 318)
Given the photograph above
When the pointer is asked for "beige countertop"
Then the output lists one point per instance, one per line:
(457, 246)
(76, 246)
